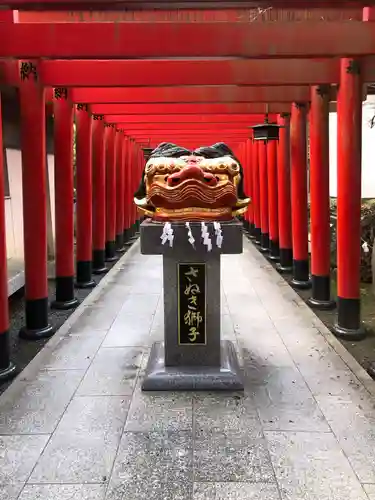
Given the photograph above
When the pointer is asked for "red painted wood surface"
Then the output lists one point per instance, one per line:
(204, 94)
(168, 39)
(190, 108)
(173, 72)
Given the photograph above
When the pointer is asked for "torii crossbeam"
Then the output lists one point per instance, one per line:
(148, 39)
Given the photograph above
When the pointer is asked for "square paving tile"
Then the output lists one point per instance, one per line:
(231, 456)
(251, 318)
(235, 491)
(369, 489)
(35, 407)
(113, 372)
(63, 492)
(314, 355)
(121, 287)
(264, 346)
(156, 334)
(236, 288)
(224, 309)
(154, 465)
(10, 491)
(75, 352)
(153, 285)
(332, 382)
(129, 330)
(303, 416)
(112, 295)
(157, 327)
(95, 317)
(226, 413)
(18, 456)
(353, 423)
(84, 444)
(140, 304)
(312, 466)
(227, 328)
(160, 411)
(296, 328)
(273, 386)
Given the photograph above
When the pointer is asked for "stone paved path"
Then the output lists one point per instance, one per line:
(76, 426)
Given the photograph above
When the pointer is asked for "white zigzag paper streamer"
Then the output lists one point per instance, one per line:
(191, 238)
(218, 233)
(167, 234)
(206, 237)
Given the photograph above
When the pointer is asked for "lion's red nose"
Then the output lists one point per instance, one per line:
(191, 172)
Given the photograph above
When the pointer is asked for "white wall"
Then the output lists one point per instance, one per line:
(14, 218)
(368, 151)
(50, 179)
(14, 206)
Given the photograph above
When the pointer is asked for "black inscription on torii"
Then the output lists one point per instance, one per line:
(60, 93)
(28, 69)
(82, 107)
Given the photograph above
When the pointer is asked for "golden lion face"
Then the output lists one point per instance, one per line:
(191, 187)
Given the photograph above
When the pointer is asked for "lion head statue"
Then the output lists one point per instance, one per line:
(201, 185)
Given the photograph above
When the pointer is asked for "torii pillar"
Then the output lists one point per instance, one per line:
(110, 183)
(250, 211)
(120, 178)
(319, 200)
(99, 199)
(34, 197)
(284, 204)
(64, 200)
(349, 158)
(298, 150)
(256, 192)
(272, 200)
(84, 197)
(263, 188)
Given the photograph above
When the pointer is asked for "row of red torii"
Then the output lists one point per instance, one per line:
(109, 164)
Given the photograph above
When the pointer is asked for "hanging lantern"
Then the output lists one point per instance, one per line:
(147, 152)
(266, 131)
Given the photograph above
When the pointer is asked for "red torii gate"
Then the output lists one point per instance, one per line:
(104, 5)
(172, 127)
(295, 69)
(180, 122)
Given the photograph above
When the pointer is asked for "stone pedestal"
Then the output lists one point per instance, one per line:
(192, 356)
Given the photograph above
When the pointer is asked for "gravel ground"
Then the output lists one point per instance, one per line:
(23, 351)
